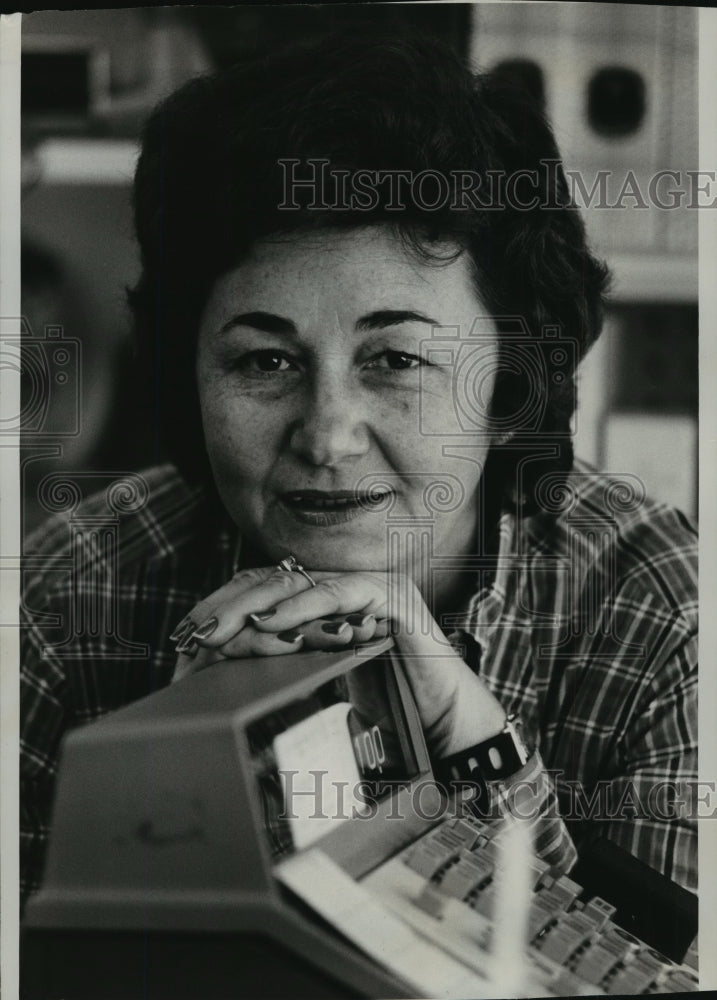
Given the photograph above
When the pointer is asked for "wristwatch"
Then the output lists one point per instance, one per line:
(495, 759)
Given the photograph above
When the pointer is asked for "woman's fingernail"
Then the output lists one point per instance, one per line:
(335, 628)
(187, 646)
(181, 628)
(291, 635)
(205, 630)
(359, 621)
(263, 616)
(186, 632)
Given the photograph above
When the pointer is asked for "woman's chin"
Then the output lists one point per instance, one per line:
(340, 556)
(340, 559)
(361, 545)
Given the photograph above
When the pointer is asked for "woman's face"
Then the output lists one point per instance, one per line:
(328, 368)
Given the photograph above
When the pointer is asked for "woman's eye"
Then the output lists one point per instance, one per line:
(265, 362)
(397, 361)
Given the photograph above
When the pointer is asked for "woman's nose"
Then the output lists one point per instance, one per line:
(332, 427)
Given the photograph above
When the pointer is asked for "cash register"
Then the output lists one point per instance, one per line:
(272, 828)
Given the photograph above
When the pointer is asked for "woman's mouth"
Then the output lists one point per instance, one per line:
(323, 508)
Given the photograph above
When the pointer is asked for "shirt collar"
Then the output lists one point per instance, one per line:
(486, 607)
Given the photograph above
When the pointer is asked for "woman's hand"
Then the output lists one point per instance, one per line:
(265, 612)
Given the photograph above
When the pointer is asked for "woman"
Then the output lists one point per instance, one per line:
(376, 379)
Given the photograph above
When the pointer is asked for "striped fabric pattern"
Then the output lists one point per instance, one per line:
(585, 627)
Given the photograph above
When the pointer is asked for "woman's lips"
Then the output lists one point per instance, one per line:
(322, 509)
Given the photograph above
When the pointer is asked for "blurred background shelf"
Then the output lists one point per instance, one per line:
(86, 161)
(654, 278)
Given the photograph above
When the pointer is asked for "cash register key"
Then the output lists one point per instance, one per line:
(464, 877)
(577, 920)
(567, 984)
(447, 837)
(472, 822)
(538, 871)
(634, 978)
(612, 940)
(626, 937)
(599, 911)
(681, 981)
(555, 899)
(648, 954)
(483, 902)
(595, 963)
(561, 942)
(542, 913)
(564, 891)
(469, 833)
(431, 901)
(566, 887)
(481, 862)
(649, 960)
(427, 857)
(490, 848)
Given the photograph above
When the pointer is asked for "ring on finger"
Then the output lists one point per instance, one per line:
(290, 565)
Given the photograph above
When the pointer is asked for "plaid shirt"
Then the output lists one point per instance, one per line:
(585, 626)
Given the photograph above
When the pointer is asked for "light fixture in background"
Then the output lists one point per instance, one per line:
(64, 82)
(616, 101)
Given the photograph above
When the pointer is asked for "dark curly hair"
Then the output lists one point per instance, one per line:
(210, 182)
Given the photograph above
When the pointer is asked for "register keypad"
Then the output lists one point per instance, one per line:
(458, 858)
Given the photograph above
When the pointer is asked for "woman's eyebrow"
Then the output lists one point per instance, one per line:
(378, 320)
(264, 321)
(392, 317)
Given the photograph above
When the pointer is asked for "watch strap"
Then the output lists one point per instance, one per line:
(494, 759)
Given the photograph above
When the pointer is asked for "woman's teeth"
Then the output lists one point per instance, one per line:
(318, 510)
(328, 502)
(331, 502)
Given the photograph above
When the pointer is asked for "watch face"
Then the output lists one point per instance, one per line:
(330, 756)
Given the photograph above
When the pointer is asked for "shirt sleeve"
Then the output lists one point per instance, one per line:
(642, 795)
(633, 744)
(43, 722)
(649, 808)
(530, 795)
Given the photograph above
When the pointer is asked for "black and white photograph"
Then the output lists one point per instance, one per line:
(355, 444)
